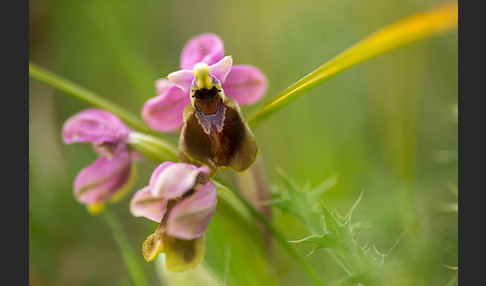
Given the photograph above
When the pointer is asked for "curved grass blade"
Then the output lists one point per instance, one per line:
(409, 30)
(85, 95)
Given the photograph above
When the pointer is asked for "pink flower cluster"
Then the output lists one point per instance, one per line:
(179, 196)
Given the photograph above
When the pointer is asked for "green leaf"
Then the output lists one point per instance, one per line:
(277, 235)
(236, 248)
(339, 232)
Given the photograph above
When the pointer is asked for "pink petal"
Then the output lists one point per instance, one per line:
(246, 84)
(145, 205)
(190, 217)
(221, 69)
(158, 170)
(182, 79)
(176, 179)
(94, 125)
(164, 112)
(108, 175)
(161, 85)
(207, 48)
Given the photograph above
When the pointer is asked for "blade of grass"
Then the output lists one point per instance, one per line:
(409, 30)
(127, 252)
(85, 95)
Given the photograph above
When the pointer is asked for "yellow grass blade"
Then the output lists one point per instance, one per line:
(406, 31)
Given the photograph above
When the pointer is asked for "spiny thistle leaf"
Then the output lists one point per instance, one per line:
(329, 230)
(320, 241)
(347, 218)
(340, 232)
(302, 202)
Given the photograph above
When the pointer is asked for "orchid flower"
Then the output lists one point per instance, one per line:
(111, 175)
(244, 83)
(204, 97)
(182, 199)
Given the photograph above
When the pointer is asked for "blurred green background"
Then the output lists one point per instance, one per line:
(387, 127)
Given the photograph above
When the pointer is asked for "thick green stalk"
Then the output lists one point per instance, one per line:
(153, 147)
(128, 254)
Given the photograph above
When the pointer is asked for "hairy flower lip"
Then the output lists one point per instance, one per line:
(219, 140)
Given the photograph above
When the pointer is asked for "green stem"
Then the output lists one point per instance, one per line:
(280, 238)
(128, 254)
(153, 147)
(83, 94)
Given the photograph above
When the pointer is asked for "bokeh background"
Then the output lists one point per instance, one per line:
(387, 127)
